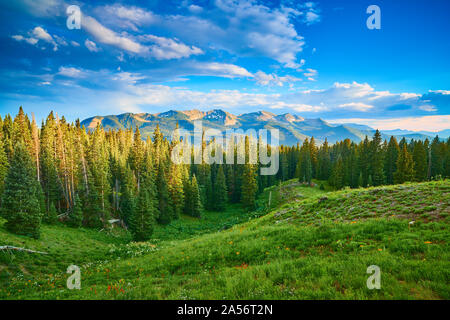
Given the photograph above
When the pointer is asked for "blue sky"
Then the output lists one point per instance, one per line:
(314, 59)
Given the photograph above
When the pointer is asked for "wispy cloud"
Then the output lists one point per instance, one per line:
(39, 34)
(424, 123)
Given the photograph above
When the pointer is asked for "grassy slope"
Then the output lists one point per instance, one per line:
(304, 249)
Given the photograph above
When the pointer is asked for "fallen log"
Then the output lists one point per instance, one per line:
(21, 249)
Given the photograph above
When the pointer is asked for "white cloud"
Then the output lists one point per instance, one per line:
(311, 74)
(423, 123)
(223, 70)
(428, 107)
(91, 46)
(312, 14)
(160, 49)
(164, 48)
(241, 27)
(265, 79)
(312, 17)
(71, 72)
(126, 17)
(444, 92)
(107, 36)
(195, 9)
(244, 28)
(356, 106)
(39, 33)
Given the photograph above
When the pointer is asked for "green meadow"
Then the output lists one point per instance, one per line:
(307, 244)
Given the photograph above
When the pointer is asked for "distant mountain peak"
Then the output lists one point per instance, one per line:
(258, 115)
(167, 114)
(292, 128)
(287, 117)
(218, 115)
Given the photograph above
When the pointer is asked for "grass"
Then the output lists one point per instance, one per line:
(313, 244)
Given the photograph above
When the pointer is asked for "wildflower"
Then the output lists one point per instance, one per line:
(238, 253)
(380, 249)
(427, 242)
(231, 242)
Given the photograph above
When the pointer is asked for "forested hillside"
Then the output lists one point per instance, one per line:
(96, 178)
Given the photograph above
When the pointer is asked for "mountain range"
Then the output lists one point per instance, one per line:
(292, 128)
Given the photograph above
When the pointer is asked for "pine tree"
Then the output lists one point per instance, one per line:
(76, 216)
(390, 165)
(20, 203)
(447, 160)
(377, 160)
(142, 218)
(50, 217)
(405, 167)
(360, 180)
(324, 162)
(164, 202)
(437, 157)
(195, 202)
(137, 156)
(337, 177)
(126, 202)
(249, 188)
(175, 188)
(208, 197)
(420, 161)
(364, 158)
(92, 206)
(304, 166)
(4, 165)
(369, 181)
(51, 185)
(220, 190)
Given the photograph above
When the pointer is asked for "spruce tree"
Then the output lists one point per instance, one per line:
(220, 190)
(20, 203)
(50, 217)
(175, 188)
(405, 167)
(390, 165)
(76, 216)
(126, 202)
(420, 161)
(360, 180)
(4, 165)
(337, 177)
(437, 157)
(377, 160)
(364, 158)
(249, 187)
(447, 159)
(208, 197)
(164, 202)
(195, 201)
(142, 218)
